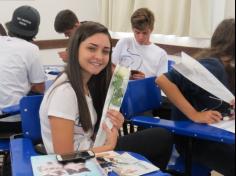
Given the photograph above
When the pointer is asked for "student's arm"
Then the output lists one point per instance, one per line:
(163, 65)
(62, 135)
(63, 139)
(111, 140)
(177, 98)
(38, 87)
(117, 119)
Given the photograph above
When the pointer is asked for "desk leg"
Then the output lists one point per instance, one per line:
(188, 157)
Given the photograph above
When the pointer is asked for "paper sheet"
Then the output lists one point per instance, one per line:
(228, 125)
(115, 95)
(127, 165)
(198, 74)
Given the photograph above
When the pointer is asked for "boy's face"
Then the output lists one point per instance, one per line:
(142, 36)
(68, 33)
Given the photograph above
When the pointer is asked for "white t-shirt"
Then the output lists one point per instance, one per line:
(150, 59)
(19, 67)
(60, 101)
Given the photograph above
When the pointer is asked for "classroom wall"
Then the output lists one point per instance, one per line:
(90, 10)
(85, 10)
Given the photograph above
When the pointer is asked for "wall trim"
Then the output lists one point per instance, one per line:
(170, 49)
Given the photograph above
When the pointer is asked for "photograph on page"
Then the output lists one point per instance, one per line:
(114, 98)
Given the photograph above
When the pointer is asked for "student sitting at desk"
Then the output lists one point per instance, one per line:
(72, 125)
(20, 69)
(194, 103)
(139, 53)
(66, 22)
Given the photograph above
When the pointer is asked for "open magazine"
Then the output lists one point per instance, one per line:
(47, 165)
(114, 98)
(127, 165)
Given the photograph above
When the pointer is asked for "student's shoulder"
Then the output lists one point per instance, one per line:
(31, 45)
(24, 45)
(158, 49)
(125, 40)
(62, 85)
(211, 62)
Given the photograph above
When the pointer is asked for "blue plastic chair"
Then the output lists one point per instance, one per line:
(141, 96)
(29, 108)
(170, 64)
(5, 138)
(144, 95)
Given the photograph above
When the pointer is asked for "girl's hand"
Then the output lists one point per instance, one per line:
(208, 117)
(112, 136)
(135, 75)
(233, 104)
(117, 119)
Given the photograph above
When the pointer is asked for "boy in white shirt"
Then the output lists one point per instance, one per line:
(139, 53)
(20, 69)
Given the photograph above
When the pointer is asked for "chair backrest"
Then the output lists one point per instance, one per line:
(141, 96)
(170, 64)
(29, 108)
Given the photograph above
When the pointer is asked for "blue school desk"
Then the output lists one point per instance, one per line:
(189, 129)
(22, 149)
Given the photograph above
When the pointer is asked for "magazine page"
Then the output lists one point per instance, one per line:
(114, 98)
(126, 165)
(47, 165)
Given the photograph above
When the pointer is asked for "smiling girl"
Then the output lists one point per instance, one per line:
(71, 109)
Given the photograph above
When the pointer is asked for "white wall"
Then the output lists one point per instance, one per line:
(85, 10)
(230, 9)
(90, 10)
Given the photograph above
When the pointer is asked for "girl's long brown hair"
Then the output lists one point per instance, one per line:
(98, 84)
(223, 46)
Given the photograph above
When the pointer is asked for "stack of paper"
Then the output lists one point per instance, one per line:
(228, 125)
(127, 165)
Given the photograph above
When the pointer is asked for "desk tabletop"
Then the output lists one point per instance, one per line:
(12, 110)
(188, 128)
(22, 150)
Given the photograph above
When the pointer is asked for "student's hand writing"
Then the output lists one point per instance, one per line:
(112, 136)
(208, 117)
(117, 119)
(233, 104)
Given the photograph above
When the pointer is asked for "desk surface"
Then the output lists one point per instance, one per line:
(188, 128)
(22, 150)
(12, 110)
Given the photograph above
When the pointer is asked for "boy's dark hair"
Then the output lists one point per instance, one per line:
(142, 18)
(223, 45)
(65, 20)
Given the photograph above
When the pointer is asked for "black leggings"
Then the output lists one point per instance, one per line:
(154, 143)
(10, 127)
